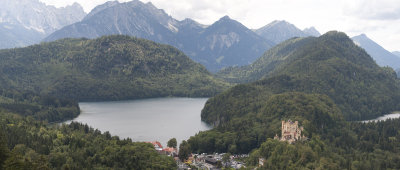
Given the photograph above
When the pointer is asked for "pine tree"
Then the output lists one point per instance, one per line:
(4, 152)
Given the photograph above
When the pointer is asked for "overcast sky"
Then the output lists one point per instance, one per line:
(378, 19)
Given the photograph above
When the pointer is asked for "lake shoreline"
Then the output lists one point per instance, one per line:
(154, 119)
(393, 115)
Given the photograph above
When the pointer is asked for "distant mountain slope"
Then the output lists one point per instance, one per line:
(15, 35)
(133, 18)
(398, 72)
(100, 8)
(312, 31)
(279, 31)
(225, 43)
(264, 65)
(397, 53)
(377, 52)
(25, 22)
(107, 68)
(330, 64)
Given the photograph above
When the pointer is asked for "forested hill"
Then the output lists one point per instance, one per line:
(107, 68)
(319, 82)
(29, 144)
(331, 64)
(264, 65)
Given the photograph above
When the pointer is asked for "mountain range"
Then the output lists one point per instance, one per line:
(222, 44)
(377, 52)
(26, 22)
(279, 31)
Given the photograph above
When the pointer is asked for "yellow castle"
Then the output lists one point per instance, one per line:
(291, 132)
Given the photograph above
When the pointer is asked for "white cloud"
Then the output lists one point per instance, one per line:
(373, 9)
(379, 19)
(87, 5)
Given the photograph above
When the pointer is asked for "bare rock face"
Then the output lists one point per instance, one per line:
(25, 22)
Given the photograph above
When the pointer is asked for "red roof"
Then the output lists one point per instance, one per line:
(168, 149)
(156, 143)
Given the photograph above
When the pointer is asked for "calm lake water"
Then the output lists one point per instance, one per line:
(384, 117)
(146, 120)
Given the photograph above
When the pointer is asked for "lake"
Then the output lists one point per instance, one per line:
(384, 117)
(146, 120)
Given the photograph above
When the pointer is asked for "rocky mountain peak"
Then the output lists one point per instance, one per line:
(278, 23)
(25, 22)
(279, 31)
(189, 23)
(100, 8)
(227, 23)
(226, 17)
(33, 14)
(312, 31)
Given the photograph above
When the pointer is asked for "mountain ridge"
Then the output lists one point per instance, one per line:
(330, 64)
(397, 53)
(377, 52)
(279, 31)
(312, 31)
(215, 50)
(29, 21)
(217, 41)
(107, 68)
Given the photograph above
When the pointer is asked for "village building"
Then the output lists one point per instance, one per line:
(166, 151)
(157, 146)
(291, 132)
(170, 151)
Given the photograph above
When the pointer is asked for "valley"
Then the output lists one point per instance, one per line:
(107, 86)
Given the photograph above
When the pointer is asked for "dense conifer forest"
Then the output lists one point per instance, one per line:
(327, 84)
(29, 144)
(108, 68)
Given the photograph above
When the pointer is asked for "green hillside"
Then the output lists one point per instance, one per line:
(29, 144)
(320, 82)
(107, 68)
(266, 64)
(332, 142)
(331, 64)
(43, 83)
(241, 134)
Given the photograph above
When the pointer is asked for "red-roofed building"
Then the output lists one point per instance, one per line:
(170, 151)
(157, 145)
